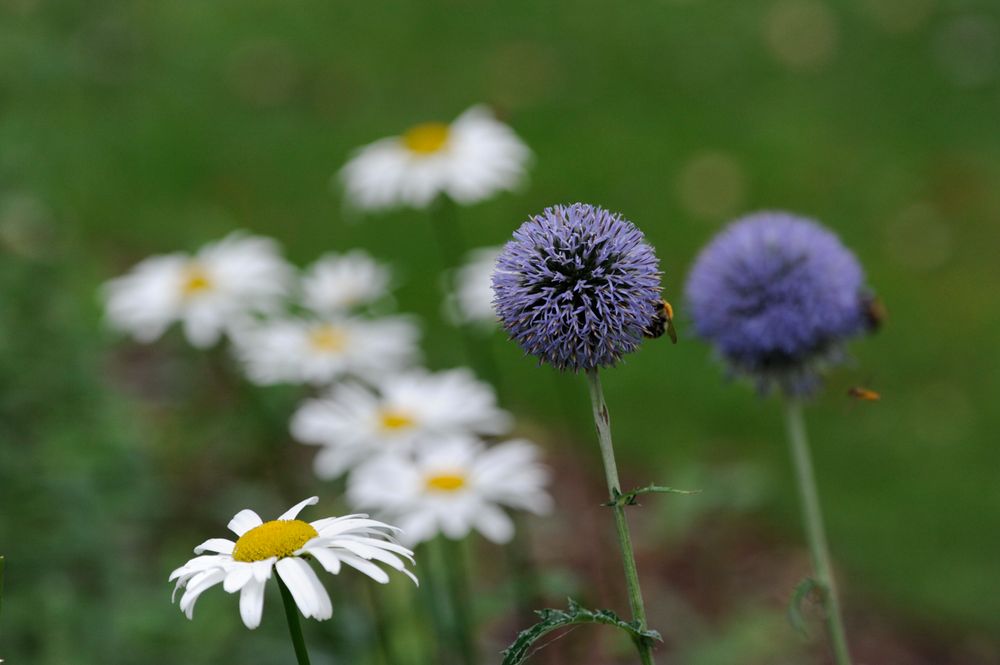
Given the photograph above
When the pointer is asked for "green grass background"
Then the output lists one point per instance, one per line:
(132, 128)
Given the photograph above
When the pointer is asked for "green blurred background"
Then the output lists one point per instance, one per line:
(133, 128)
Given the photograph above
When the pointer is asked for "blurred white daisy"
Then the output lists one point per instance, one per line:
(281, 545)
(222, 284)
(354, 422)
(452, 486)
(320, 351)
(469, 160)
(338, 282)
(471, 298)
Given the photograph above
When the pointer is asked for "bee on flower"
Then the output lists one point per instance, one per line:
(354, 422)
(469, 160)
(338, 283)
(284, 546)
(321, 351)
(222, 284)
(452, 486)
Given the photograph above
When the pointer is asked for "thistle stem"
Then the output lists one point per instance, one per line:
(603, 424)
(815, 533)
(294, 627)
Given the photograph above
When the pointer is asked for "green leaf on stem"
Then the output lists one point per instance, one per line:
(632, 498)
(553, 619)
(796, 617)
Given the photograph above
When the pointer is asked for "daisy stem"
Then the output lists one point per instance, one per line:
(603, 423)
(456, 572)
(294, 627)
(815, 533)
(451, 247)
(379, 623)
(429, 592)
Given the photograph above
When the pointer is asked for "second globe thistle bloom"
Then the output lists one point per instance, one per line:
(777, 295)
(578, 287)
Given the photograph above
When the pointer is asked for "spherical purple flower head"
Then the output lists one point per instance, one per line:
(577, 286)
(777, 295)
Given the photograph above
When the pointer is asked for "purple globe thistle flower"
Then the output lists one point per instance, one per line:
(778, 295)
(577, 287)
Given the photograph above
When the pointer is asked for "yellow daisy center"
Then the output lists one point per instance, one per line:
(195, 281)
(278, 538)
(427, 138)
(446, 482)
(395, 419)
(328, 338)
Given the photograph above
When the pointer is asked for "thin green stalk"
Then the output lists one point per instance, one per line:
(379, 621)
(815, 533)
(525, 584)
(451, 248)
(456, 574)
(429, 593)
(481, 355)
(603, 422)
(294, 627)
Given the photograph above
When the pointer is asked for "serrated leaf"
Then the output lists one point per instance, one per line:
(799, 595)
(553, 619)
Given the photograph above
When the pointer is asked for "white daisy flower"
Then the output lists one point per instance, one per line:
(354, 422)
(469, 160)
(282, 545)
(322, 350)
(338, 282)
(471, 298)
(452, 486)
(223, 283)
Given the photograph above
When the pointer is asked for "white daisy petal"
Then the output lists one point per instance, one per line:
(237, 578)
(305, 588)
(294, 511)
(243, 521)
(366, 567)
(198, 584)
(325, 558)
(219, 545)
(471, 297)
(252, 603)
(262, 569)
(337, 283)
(494, 524)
